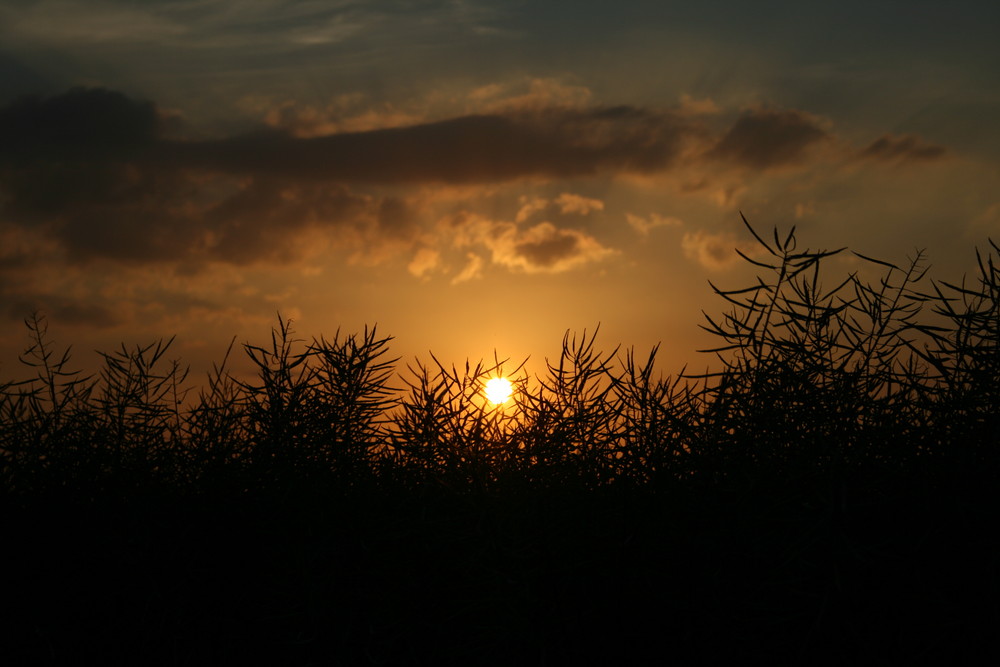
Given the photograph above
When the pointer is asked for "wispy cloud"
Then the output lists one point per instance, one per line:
(770, 138)
(645, 224)
(99, 22)
(234, 25)
(570, 203)
(473, 269)
(351, 112)
(714, 251)
(902, 148)
(537, 95)
(424, 262)
(566, 204)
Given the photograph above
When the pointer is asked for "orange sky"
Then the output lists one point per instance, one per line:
(471, 176)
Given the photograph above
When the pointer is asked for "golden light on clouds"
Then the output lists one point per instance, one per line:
(644, 225)
(342, 185)
(714, 252)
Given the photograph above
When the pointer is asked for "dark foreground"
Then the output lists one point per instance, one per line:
(826, 497)
(794, 574)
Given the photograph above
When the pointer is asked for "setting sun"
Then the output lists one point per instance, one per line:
(499, 390)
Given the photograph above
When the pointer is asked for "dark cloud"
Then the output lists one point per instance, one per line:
(395, 217)
(94, 170)
(548, 252)
(82, 167)
(265, 219)
(62, 311)
(145, 228)
(542, 248)
(901, 148)
(83, 124)
(74, 157)
(468, 149)
(16, 77)
(768, 138)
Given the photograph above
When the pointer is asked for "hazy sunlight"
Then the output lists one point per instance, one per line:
(499, 390)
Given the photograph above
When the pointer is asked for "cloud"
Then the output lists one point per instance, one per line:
(570, 203)
(901, 148)
(350, 112)
(553, 143)
(94, 125)
(644, 225)
(271, 27)
(21, 248)
(80, 169)
(51, 21)
(690, 106)
(540, 248)
(61, 309)
(529, 207)
(424, 261)
(267, 219)
(541, 94)
(101, 175)
(68, 166)
(565, 204)
(473, 269)
(714, 251)
(769, 138)
(545, 248)
(105, 128)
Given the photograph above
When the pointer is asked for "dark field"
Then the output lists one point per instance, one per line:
(797, 575)
(827, 497)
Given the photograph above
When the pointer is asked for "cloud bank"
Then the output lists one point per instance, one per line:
(105, 176)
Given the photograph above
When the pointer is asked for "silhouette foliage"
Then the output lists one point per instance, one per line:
(893, 375)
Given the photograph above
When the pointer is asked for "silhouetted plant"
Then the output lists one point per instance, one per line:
(809, 372)
(280, 446)
(880, 333)
(859, 377)
(965, 352)
(47, 425)
(659, 420)
(216, 432)
(350, 400)
(139, 424)
(570, 425)
(316, 410)
(446, 431)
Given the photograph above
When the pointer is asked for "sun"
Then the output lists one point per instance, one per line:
(499, 390)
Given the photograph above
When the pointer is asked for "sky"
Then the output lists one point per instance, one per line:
(471, 177)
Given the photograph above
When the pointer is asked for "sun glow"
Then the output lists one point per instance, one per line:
(498, 390)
